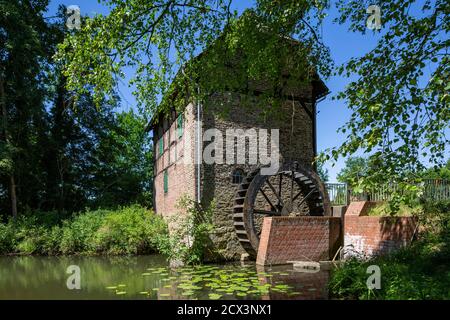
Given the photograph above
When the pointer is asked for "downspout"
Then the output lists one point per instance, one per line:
(314, 107)
(314, 124)
(199, 148)
(199, 145)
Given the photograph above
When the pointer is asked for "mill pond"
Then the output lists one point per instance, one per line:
(150, 277)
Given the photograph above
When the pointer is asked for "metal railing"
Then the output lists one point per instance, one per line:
(432, 189)
(338, 193)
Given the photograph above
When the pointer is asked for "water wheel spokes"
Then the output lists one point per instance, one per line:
(293, 191)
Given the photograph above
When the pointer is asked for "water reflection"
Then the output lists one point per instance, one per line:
(150, 277)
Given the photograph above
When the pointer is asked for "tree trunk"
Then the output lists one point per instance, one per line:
(12, 183)
(13, 197)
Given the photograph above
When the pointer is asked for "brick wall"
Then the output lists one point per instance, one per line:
(359, 208)
(304, 238)
(375, 235)
(181, 175)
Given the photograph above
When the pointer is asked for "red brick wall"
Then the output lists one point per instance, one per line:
(374, 235)
(359, 208)
(181, 173)
(298, 239)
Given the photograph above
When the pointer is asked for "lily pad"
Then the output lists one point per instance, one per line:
(214, 296)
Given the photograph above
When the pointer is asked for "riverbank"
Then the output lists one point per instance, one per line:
(124, 231)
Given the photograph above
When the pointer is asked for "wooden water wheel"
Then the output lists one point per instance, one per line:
(294, 190)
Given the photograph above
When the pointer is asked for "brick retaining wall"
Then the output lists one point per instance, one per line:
(303, 238)
(374, 235)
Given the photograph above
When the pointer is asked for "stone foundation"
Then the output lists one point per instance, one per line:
(303, 238)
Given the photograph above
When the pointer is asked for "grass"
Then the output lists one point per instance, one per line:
(382, 209)
(127, 230)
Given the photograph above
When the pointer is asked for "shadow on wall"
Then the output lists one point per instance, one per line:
(375, 235)
(396, 232)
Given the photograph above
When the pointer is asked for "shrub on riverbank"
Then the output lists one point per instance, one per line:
(129, 230)
(420, 271)
(189, 240)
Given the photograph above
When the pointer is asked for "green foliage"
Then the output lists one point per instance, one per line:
(161, 39)
(78, 234)
(24, 56)
(399, 194)
(128, 230)
(384, 209)
(354, 171)
(63, 157)
(322, 172)
(439, 172)
(123, 163)
(400, 96)
(436, 207)
(7, 238)
(419, 271)
(188, 240)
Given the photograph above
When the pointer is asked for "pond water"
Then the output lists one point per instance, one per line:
(150, 277)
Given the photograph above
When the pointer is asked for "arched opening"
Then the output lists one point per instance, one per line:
(237, 176)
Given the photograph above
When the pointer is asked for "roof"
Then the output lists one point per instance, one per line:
(320, 90)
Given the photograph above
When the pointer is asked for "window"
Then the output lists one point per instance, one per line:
(237, 176)
(180, 125)
(161, 145)
(166, 181)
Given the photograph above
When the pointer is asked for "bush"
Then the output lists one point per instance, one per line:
(78, 233)
(130, 230)
(7, 239)
(189, 238)
(436, 207)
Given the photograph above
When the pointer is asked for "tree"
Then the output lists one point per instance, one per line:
(23, 56)
(55, 155)
(399, 99)
(124, 163)
(356, 169)
(441, 172)
(322, 172)
(161, 38)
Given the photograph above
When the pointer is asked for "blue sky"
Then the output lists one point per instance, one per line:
(331, 114)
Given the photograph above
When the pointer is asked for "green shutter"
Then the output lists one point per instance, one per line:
(166, 182)
(180, 125)
(161, 146)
